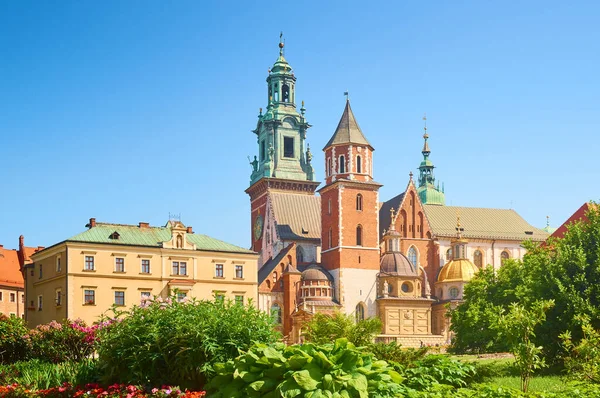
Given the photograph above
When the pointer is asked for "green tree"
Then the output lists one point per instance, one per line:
(517, 327)
(582, 361)
(323, 329)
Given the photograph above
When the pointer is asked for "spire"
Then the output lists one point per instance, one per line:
(348, 131)
(425, 150)
(427, 190)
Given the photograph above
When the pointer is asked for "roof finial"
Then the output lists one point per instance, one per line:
(459, 229)
(410, 175)
(281, 43)
(425, 119)
(547, 221)
(347, 94)
(392, 219)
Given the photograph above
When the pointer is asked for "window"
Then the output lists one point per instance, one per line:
(89, 263)
(40, 268)
(13, 298)
(453, 292)
(239, 271)
(22, 299)
(359, 202)
(219, 270)
(1, 296)
(145, 295)
(329, 166)
(276, 313)
(179, 268)
(448, 254)
(407, 287)
(89, 297)
(119, 264)
(288, 147)
(342, 164)
(360, 312)
(58, 266)
(119, 297)
(478, 258)
(285, 92)
(263, 150)
(330, 238)
(358, 164)
(145, 266)
(239, 300)
(359, 236)
(299, 255)
(329, 206)
(504, 256)
(40, 302)
(58, 298)
(181, 296)
(220, 297)
(268, 284)
(274, 278)
(412, 256)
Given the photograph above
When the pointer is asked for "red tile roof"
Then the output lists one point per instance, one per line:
(10, 269)
(580, 214)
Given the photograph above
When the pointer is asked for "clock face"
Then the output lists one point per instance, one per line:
(258, 226)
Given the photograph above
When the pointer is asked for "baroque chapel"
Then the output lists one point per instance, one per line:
(341, 248)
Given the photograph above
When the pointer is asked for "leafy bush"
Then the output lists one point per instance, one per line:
(38, 375)
(323, 329)
(12, 346)
(62, 341)
(437, 369)
(393, 352)
(177, 343)
(309, 370)
(583, 360)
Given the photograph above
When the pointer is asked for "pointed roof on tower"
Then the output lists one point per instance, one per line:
(348, 131)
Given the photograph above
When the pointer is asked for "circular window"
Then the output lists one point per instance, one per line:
(453, 292)
(407, 287)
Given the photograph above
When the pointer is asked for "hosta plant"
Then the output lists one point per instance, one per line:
(312, 371)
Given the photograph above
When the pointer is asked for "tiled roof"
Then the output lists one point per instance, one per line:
(10, 269)
(133, 235)
(348, 131)
(579, 215)
(269, 266)
(481, 223)
(384, 212)
(298, 216)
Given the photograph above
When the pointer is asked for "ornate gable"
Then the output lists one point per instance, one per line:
(178, 237)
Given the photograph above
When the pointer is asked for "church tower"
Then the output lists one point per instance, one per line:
(429, 193)
(283, 162)
(349, 217)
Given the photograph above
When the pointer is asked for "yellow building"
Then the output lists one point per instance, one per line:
(82, 277)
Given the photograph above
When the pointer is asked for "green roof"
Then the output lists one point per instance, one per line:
(133, 235)
(504, 224)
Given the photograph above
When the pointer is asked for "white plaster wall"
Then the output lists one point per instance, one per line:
(353, 286)
(265, 300)
(491, 257)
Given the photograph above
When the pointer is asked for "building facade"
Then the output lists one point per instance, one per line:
(116, 264)
(12, 288)
(346, 250)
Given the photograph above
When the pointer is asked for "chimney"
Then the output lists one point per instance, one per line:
(21, 241)
(1, 246)
(144, 225)
(92, 223)
(189, 230)
(40, 248)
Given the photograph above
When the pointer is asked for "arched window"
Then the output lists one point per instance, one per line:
(504, 256)
(360, 312)
(276, 313)
(448, 254)
(330, 238)
(412, 256)
(329, 206)
(268, 284)
(478, 258)
(299, 255)
(359, 202)
(342, 167)
(329, 168)
(274, 278)
(359, 235)
(285, 93)
(358, 164)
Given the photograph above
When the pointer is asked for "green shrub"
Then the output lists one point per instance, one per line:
(36, 375)
(323, 329)
(177, 343)
(582, 361)
(393, 352)
(437, 369)
(311, 371)
(62, 341)
(12, 345)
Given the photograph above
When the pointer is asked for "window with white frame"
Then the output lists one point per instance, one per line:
(239, 300)
(119, 297)
(40, 302)
(144, 295)
(119, 264)
(179, 268)
(58, 265)
(239, 271)
(145, 266)
(219, 271)
(89, 297)
(89, 263)
(181, 296)
(58, 297)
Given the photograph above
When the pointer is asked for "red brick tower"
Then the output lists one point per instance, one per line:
(349, 217)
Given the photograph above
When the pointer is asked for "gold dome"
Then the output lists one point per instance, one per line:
(457, 270)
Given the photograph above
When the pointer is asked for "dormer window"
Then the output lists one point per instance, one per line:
(115, 235)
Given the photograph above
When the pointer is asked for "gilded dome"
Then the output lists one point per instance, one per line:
(396, 263)
(314, 273)
(457, 270)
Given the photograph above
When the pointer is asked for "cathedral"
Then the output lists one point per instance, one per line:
(338, 246)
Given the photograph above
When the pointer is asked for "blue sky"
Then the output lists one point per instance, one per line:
(127, 111)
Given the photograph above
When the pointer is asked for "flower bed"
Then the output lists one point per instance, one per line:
(95, 390)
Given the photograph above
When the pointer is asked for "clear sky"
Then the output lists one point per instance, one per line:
(128, 110)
